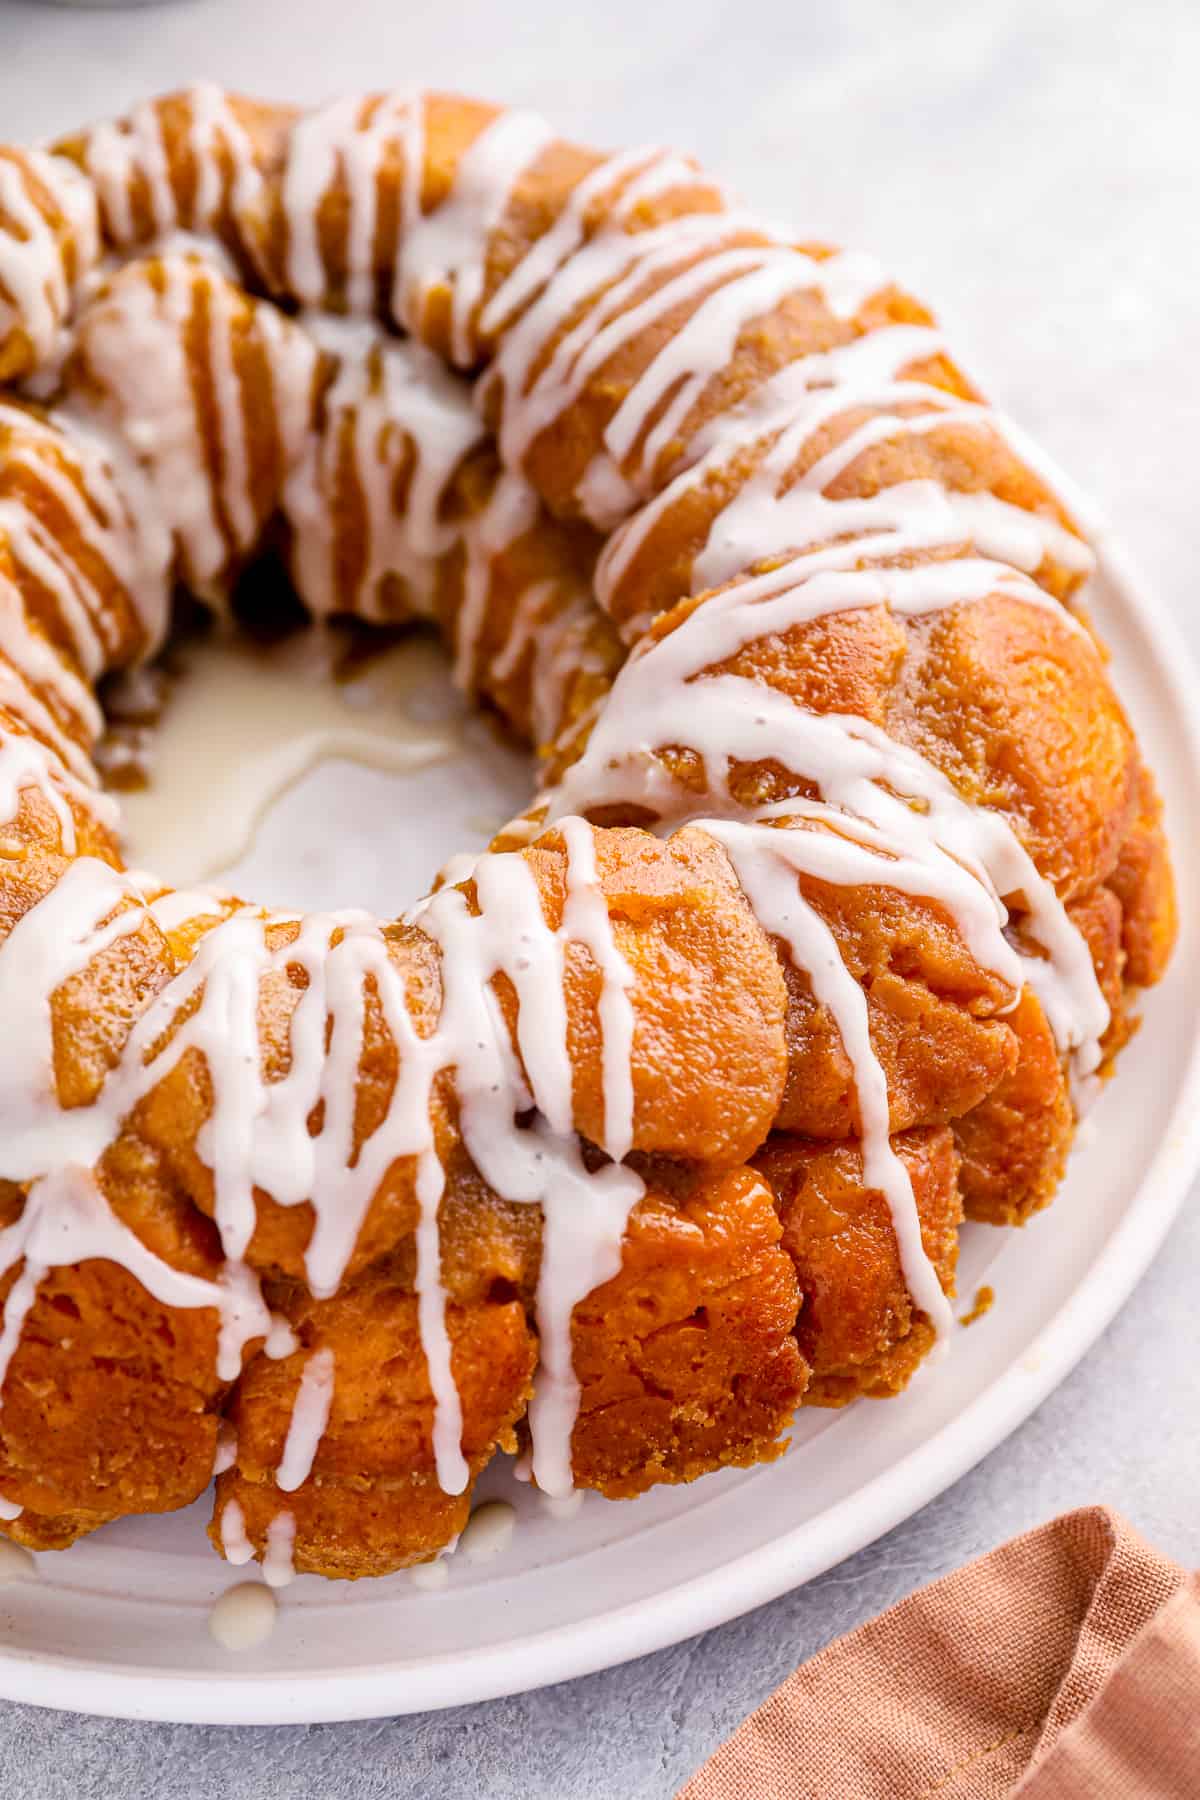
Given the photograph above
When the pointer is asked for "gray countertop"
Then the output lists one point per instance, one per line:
(1033, 166)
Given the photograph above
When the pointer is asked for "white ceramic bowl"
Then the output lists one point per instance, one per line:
(118, 1624)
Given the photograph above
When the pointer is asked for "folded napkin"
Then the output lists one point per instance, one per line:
(1063, 1666)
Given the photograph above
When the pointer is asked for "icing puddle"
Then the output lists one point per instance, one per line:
(487, 1534)
(242, 724)
(244, 1617)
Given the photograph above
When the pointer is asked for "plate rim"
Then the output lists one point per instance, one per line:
(736, 1586)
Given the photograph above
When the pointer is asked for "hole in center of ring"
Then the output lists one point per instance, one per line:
(314, 767)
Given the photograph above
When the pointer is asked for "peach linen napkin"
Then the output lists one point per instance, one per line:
(1063, 1666)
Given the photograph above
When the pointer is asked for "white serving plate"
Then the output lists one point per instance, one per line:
(118, 1624)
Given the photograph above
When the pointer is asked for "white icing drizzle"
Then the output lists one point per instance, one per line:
(563, 238)
(215, 132)
(731, 718)
(604, 278)
(586, 922)
(406, 417)
(36, 550)
(403, 411)
(510, 512)
(147, 397)
(278, 1567)
(117, 156)
(767, 866)
(565, 648)
(562, 1507)
(109, 165)
(18, 696)
(120, 156)
(79, 475)
(607, 277)
(45, 249)
(699, 350)
(66, 1218)
(235, 1545)
(9, 1510)
(584, 1213)
(769, 514)
(529, 616)
(310, 1416)
(43, 669)
(447, 247)
(111, 510)
(326, 141)
(233, 484)
(766, 517)
(134, 344)
(181, 906)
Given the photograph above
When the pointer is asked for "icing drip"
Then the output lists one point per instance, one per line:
(9, 1510)
(51, 747)
(768, 874)
(310, 1415)
(586, 922)
(67, 1220)
(397, 420)
(584, 1212)
(278, 1567)
(111, 514)
(562, 652)
(607, 278)
(236, 1545)
(562, 1507)
(64, 696)
(700, 350)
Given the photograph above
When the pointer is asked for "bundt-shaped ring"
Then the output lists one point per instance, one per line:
(660, 1117)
